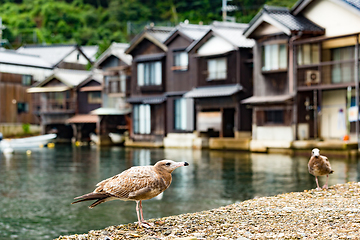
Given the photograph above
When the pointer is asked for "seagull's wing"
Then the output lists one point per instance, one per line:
(132, 182)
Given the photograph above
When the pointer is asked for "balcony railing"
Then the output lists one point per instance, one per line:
(54, 106)
(326, 73)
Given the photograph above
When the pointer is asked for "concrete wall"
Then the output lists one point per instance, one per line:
(10, 130)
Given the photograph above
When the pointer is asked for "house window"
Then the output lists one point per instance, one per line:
(94, 97)
(22, 107)
(149, 73)
(180, 114)
(274, 117)
(274, 57)
(342, 72)
(308, 54)
(142, 119)
(217, 69)
(181, 61)
(26, 80)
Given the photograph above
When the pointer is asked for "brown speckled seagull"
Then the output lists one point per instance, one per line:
(319, 166)
(134, 184)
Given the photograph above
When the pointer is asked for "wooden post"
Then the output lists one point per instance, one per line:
(356, 78)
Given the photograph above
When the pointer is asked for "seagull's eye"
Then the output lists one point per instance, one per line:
(167, 164)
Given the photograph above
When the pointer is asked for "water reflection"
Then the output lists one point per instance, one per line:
(36, 190)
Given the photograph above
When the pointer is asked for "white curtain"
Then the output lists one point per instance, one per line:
(158, 74)
(140, 74)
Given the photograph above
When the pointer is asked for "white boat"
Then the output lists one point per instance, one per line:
(28, 142)
(94, 138)
(117, 138)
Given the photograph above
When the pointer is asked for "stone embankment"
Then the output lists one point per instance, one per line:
(324, 214)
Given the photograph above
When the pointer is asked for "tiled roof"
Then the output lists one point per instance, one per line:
(233, 32)
(301, 4)
(90, 52)
(193, 31)
(354, 3)
(267, 99)
(160, 33)
(147, 99)
(71, 78)
(294, 23)
(284, 17)
(83, 118)
(213, 91)
(117, 50)
(52, 54)
(13, 57)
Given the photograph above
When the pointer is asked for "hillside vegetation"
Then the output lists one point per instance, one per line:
(89, 22)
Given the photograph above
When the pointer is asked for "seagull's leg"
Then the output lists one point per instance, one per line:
(137, 212)
(326, 184)
(317, 183)
(145, 224)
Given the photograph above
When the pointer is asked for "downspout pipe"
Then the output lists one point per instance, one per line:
(294, 81)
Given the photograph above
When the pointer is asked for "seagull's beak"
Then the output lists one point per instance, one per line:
(182, 164)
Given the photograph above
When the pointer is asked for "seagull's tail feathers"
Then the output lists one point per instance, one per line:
(98, 196)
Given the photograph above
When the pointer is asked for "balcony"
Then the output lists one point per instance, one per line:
(54, 106)
(326, 75)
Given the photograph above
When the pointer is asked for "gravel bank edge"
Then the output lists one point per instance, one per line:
(313, 214)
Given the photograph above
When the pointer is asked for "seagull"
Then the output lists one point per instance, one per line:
(319, 166)
(134, 184)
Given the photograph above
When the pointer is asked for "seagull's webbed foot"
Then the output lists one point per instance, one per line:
(325, 187)
(145, 224)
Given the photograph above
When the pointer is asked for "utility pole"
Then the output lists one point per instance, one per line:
(227, 8)
(2, 27)
(224, 10)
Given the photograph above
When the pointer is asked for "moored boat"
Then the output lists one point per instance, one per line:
(28, 142)
(117, 138)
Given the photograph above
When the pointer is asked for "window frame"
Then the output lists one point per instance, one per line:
(149, 73)
(219, 73)
(274, 117)
(94, 99)
(180, 60)
(274, 57)
(142, 119)
(180, 114)
(308, 54)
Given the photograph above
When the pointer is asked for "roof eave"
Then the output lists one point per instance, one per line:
(299, 6)
(175, 34)
(265, 18)
(148, 37)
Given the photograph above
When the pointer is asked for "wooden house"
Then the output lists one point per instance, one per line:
(148, 85)
(181, 78)
(223, 77)
(114, 119)
(17, 73)
(305, 72)
(59, 98)
(89, 98)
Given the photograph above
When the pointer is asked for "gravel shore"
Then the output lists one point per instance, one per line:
(312, 214)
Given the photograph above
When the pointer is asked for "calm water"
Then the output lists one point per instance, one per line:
(36, 190)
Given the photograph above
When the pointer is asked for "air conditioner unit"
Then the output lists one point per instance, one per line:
(312, 77)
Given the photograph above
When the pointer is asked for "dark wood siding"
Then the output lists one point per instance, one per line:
(13, 93)
(84, 107)
(178, 80)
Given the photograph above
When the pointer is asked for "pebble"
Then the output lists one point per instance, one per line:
(312, 214)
